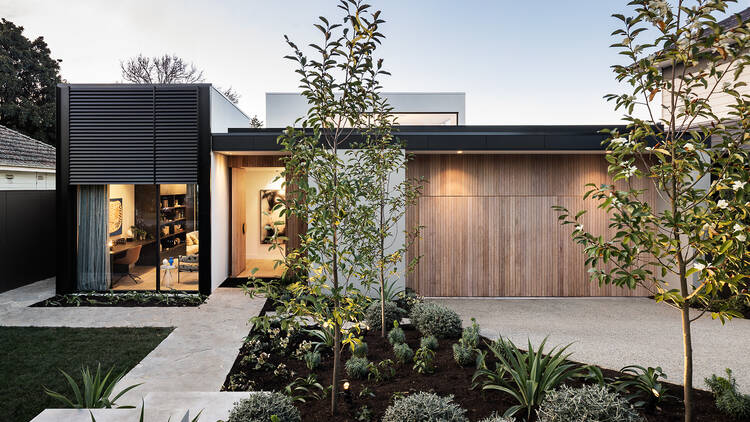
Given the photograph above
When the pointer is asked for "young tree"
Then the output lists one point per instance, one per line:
(166, 69)
(325, 184)
(28, 77)
(389, 194)
(696, 159)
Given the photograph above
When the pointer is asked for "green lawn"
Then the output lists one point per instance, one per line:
(30, 357)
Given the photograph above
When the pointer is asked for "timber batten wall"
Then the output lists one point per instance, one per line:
(489, 229)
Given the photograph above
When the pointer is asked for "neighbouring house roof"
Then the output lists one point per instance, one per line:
(19, 150)
(731, 21)
(726, 24)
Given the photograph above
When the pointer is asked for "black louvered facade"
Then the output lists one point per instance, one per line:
(176, 135)
(133, 134)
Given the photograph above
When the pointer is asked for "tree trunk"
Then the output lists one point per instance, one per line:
(382, 268)
(688, 357)
(336, 367)
(687, 343)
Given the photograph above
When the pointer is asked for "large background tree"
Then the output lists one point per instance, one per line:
(28, 77)
(166, 69)
(690, 248)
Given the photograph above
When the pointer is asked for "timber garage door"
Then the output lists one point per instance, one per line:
(489, 230)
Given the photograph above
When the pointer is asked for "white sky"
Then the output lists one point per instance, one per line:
(519, 62)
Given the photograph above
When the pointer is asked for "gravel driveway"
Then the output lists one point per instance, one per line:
(615, 332)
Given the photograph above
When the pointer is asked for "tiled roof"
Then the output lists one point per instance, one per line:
(19, 150)
(731, 21)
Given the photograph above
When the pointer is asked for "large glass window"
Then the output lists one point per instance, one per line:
(137, 237)
(179, 242)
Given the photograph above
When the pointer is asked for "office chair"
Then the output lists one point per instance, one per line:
(131, 257)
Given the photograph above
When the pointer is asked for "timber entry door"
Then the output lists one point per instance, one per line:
(239, 225)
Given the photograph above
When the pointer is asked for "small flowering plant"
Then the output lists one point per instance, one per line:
(688, 247)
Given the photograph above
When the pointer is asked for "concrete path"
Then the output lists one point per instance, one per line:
(615, 332)
(195, 357)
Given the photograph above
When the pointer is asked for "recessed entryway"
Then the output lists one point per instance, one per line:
(256, 186)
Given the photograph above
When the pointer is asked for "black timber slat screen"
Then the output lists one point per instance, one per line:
(176, 135)
(111, 135)
(133, 134)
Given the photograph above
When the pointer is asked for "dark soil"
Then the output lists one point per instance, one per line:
(124, 299)
(449, 378)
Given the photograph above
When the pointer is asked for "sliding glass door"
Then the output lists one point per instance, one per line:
(137, 237)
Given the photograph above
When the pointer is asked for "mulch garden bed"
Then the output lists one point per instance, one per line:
(124, 299)
(448, 379)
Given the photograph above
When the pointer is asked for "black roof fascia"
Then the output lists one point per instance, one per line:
(442, 138)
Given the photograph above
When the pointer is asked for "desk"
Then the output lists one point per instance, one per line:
(122, 247)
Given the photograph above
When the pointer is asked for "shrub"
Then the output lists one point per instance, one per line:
(312, 360)
(591, 403)
(425, 407)
(357, 367)
(392, 314)
(470, 335)
(403, 352)
(424, 361)
(525, 375)
(437, 320)
(262, 406)
(396, 335)
(497, 418)
(382, 371)
(728, 400)
(463, 354)
(359, 349)
(406, 299)
(430, 342)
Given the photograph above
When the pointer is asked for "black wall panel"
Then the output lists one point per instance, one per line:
(27, 243)
(133, 134)
(111, 135)
(176, 136)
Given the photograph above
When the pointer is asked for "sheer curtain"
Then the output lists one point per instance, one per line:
(93, 252)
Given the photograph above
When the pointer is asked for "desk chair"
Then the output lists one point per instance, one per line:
(131, 257)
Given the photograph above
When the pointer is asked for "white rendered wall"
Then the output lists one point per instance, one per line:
(282, 109)
(224, 114)
(220, 219)
(395, 240)
(19, 178)
(258, 178)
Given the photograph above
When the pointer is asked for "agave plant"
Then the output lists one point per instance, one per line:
(646, 391)
(324, 336)
(527, 376)
(303, 389)
(96, 391)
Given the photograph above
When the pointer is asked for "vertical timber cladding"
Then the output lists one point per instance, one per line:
(489, 230)
(133, 134)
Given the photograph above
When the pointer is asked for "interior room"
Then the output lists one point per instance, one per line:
(255, 191)
(150, 241)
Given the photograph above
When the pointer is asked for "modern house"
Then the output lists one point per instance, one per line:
(143, 170)
(27, 209)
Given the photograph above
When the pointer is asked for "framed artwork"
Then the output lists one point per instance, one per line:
(115, 216)
(268, 199)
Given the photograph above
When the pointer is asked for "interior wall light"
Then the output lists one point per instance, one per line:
(459, 152)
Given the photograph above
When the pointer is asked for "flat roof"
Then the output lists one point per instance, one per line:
(447, 138)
